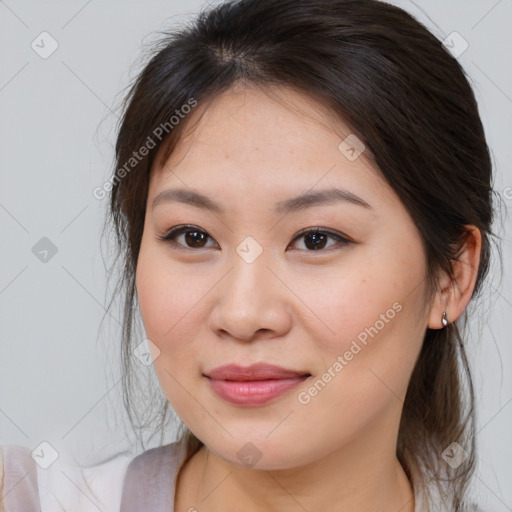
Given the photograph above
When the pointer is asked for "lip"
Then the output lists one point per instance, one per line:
(253, 385)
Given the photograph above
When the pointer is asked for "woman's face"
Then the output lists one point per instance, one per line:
(245, 284)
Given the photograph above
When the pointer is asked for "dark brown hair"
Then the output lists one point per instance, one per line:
(404, 95)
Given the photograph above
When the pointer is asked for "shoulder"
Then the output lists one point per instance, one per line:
(18, 479)
(152, 460)
(150, 480)
(29, 482)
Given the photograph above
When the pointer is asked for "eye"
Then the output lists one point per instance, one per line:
(194, 237)
(316, 239)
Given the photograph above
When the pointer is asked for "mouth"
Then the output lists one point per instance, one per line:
(253, 385)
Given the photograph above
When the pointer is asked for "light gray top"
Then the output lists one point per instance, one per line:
(125, 483)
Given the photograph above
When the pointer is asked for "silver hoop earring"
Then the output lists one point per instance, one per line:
(443, 320)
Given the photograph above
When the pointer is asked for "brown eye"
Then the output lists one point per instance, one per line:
(317, 239)
(193, 238)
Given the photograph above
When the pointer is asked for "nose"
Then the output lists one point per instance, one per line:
(250, 303)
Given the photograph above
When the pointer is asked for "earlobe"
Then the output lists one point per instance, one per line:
(455, 294)
(440, 312)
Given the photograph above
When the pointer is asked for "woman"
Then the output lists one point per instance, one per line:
(303, 206)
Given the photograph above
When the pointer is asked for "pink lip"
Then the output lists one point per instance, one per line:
(253, 385)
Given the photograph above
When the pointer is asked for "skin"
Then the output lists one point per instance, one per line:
(293, 306)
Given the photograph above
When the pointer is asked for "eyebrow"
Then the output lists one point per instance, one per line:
(301, 202)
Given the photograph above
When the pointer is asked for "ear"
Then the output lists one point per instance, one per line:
(453, 296)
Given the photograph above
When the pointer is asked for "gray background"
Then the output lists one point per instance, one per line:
(59, 376)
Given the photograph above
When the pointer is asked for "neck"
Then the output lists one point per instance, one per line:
(362, 476)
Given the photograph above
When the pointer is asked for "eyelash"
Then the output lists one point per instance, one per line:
(175, 232)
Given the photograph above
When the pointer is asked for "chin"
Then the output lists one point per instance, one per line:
(260, 453)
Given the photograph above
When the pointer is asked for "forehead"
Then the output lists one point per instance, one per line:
(260, 139)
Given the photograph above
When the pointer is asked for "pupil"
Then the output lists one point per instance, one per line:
(318, 240)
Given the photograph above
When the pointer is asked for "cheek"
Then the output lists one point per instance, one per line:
(369, 313)
(365, 366)
(342, 303)
(166, 298)
(172, 306)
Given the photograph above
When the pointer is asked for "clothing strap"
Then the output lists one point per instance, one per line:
(150, 480)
